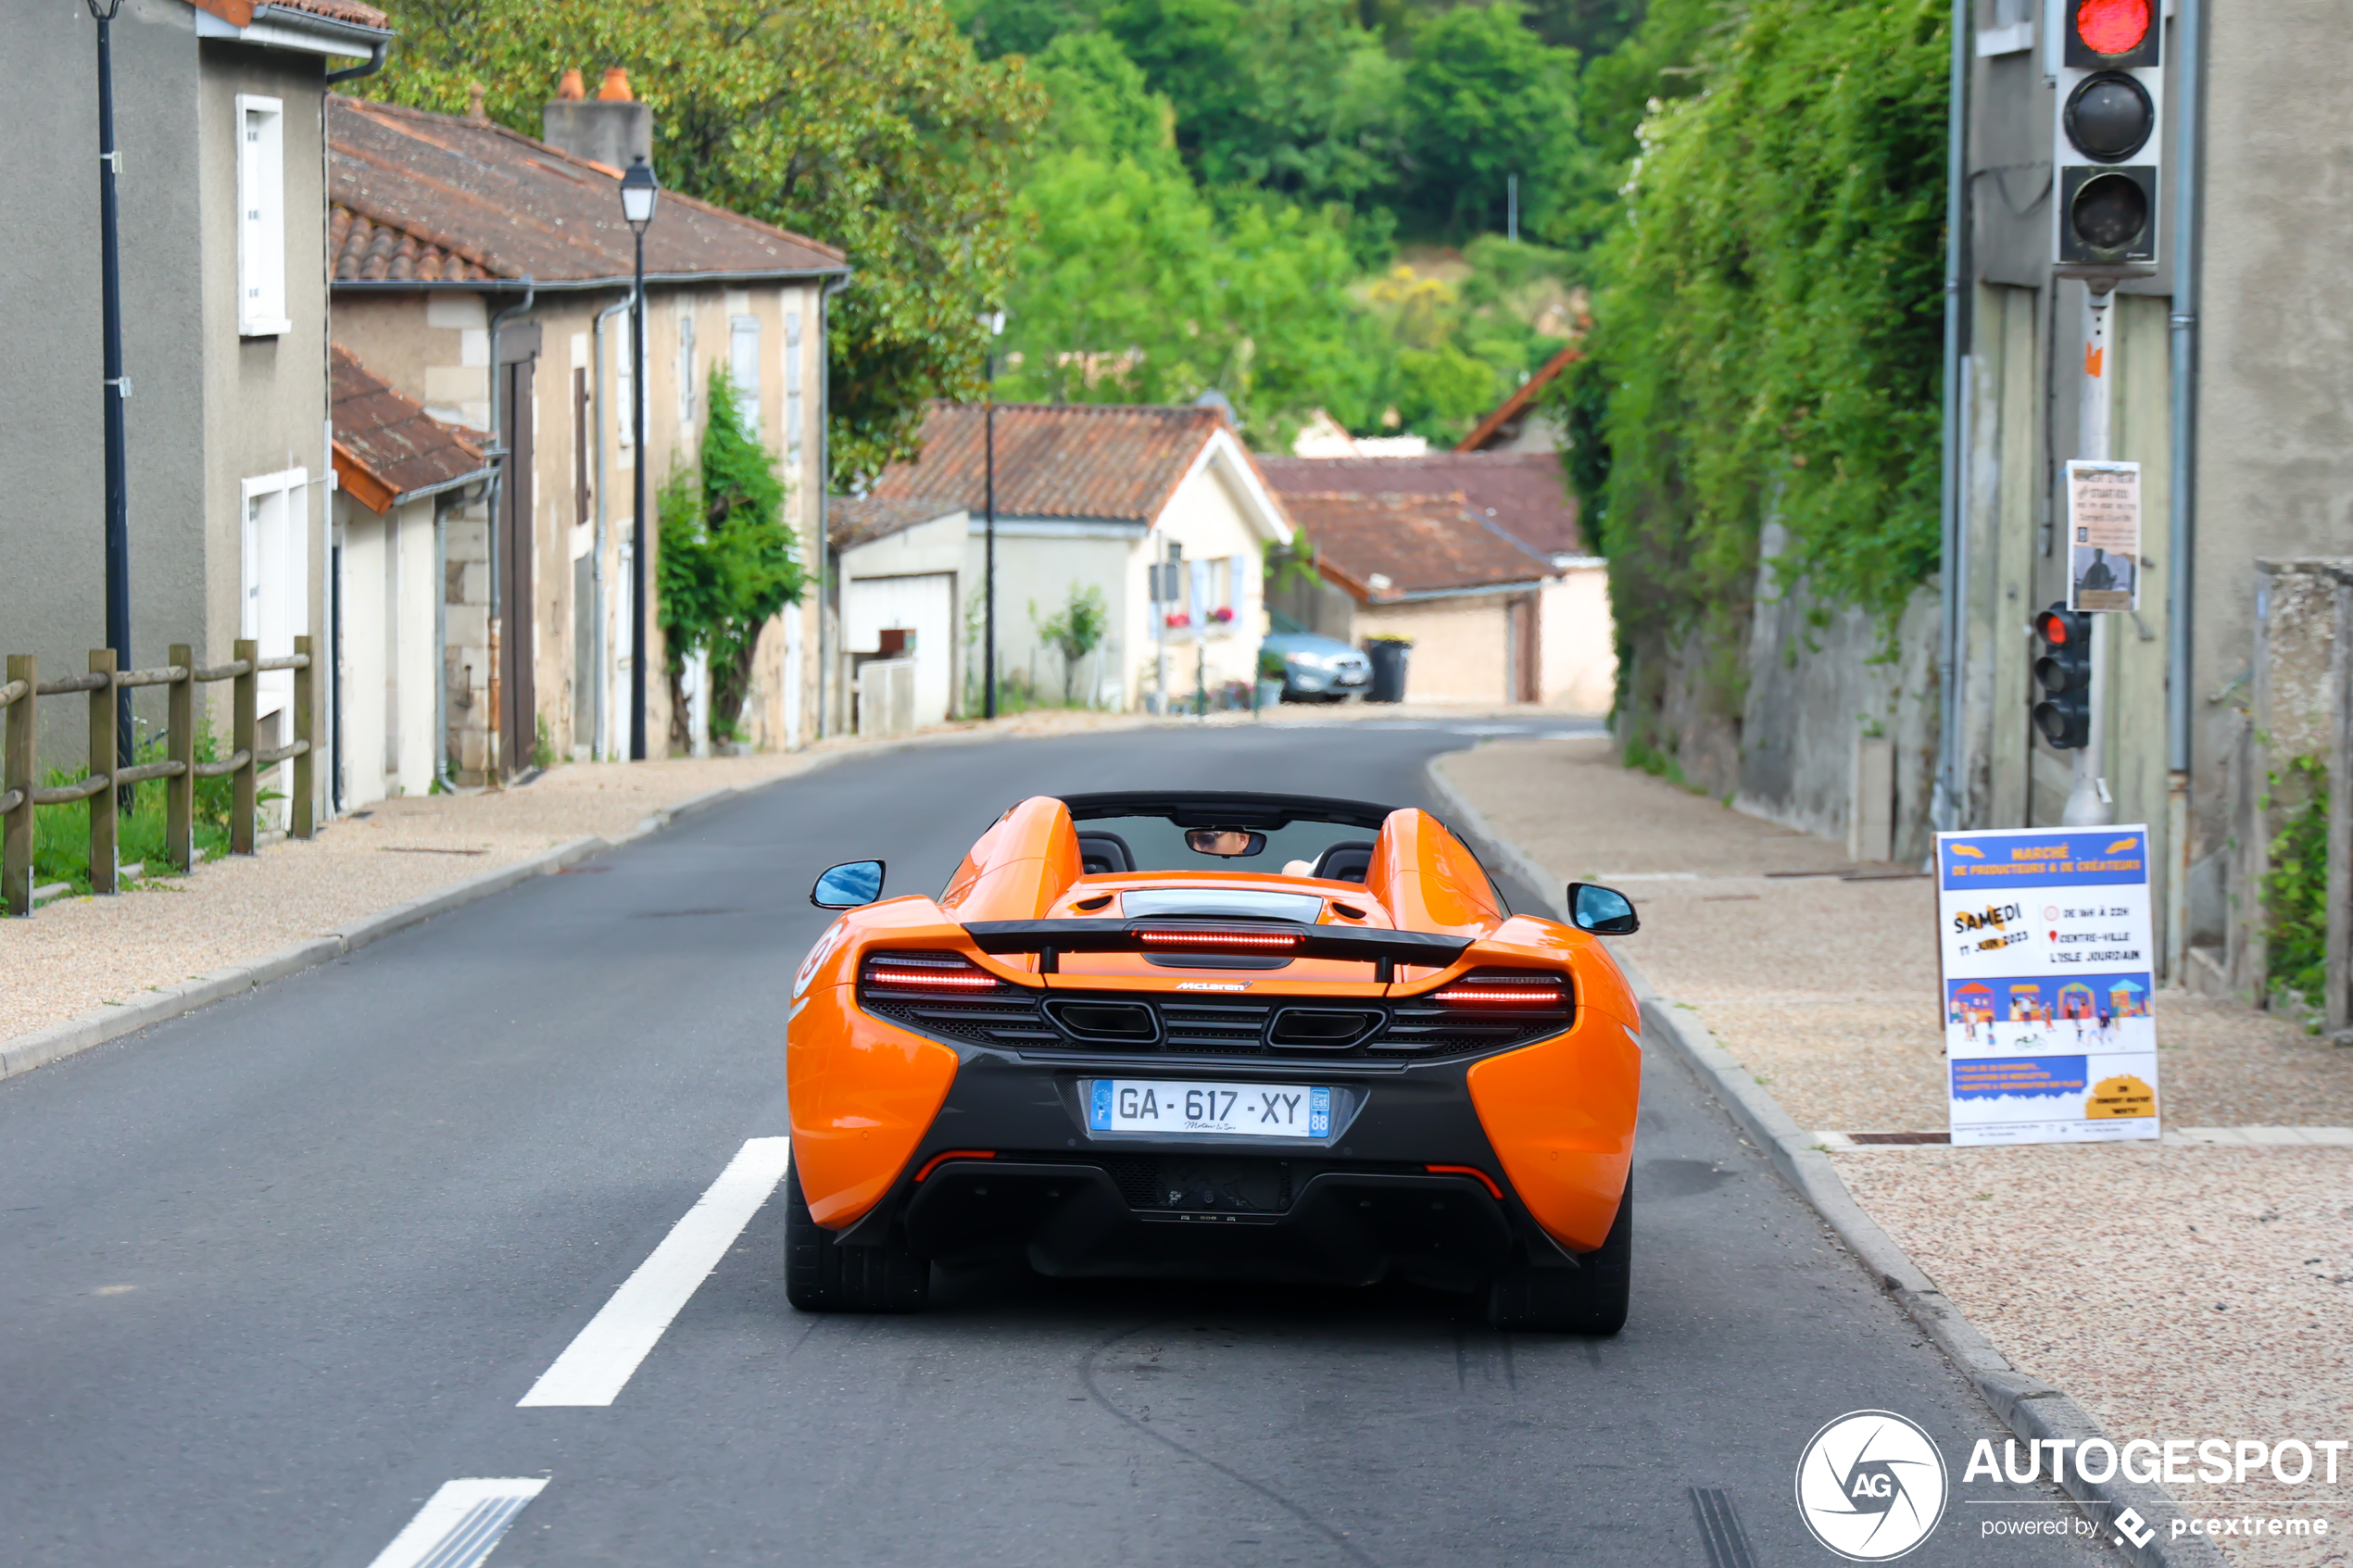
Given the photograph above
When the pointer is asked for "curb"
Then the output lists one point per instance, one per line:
(40, 1046)
(2029, 1407)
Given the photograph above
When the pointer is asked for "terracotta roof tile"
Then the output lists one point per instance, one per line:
(478, 201)
(1421, 544)
(1522, 493)
(386, 445)
(1102, 461)
(375, 252)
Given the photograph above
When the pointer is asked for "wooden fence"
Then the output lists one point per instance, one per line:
(20, 790)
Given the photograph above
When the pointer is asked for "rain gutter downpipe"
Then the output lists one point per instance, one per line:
(1945, 808)
(499, 454)
(600, 748)
(2189, 45)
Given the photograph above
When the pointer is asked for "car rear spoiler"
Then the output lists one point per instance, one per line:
(1384, 949)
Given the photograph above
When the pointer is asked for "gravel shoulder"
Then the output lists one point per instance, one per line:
(2175, 1290)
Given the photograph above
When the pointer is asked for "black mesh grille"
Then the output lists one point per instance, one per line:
(1214, 1184)
(1295, 1028)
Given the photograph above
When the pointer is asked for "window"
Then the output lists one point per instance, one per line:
(686, 367)
(743, 364)
(274, 560)
(792, 384)
(261, 216)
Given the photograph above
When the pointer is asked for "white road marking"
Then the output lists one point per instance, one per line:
(460, 1524)
(602, 1358)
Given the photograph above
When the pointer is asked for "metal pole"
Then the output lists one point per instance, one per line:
(988, 570)
(1954, 589)
(2088, 804)
(117, 387)
(637, 531)
(2189, 39)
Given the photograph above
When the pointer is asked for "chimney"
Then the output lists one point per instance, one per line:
(610, 128)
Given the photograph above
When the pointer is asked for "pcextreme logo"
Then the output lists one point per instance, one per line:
(1871, 1485)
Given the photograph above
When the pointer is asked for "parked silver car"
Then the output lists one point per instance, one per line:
(1313, 668)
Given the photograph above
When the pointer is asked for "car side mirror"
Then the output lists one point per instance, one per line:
(847, 885)
(1605, 911)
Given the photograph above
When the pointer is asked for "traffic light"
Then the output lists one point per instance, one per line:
(2065, 671)
(2111, 135)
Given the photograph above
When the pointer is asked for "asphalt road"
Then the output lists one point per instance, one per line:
(272, 1274)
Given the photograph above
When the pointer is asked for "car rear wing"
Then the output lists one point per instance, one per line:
(1249, 943)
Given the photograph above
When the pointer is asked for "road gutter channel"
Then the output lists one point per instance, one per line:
(53, 1042)
(2029, 1407)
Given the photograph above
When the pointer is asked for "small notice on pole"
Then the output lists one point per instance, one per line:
(2044, 934)
(2104, 536)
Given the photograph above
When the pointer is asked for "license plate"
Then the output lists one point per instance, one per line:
(1157, 1105)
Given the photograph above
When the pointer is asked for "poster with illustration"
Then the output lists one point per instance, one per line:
(2044, 936)
(2102, 535)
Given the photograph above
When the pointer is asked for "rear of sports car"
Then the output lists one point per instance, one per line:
(1326, 1098)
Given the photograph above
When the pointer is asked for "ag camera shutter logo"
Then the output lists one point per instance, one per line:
(1871, 1485)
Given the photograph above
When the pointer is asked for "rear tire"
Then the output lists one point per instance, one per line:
(822, 1275)
(1589, 1298)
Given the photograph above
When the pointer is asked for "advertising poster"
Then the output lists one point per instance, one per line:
(2045, 939)
(2103, 536)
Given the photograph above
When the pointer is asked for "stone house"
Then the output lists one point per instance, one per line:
(1553, 642)
(1087, 495)
(487, 275)
(220, 113)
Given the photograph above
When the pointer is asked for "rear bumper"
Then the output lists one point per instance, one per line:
(1356, 1207)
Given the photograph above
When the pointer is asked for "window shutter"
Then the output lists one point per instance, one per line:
(743, 364)
(792, 384)
(261, 216)
(686, 367)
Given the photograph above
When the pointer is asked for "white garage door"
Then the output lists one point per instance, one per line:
(924, 605)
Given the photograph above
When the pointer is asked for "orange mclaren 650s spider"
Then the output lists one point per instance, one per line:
(1205, 1035)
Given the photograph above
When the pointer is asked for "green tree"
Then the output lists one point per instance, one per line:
(1134, 286)
(1075, 631)
(1488, 99)
(729, 562)
(868, 125)
(1019, 26)
(1103, 106)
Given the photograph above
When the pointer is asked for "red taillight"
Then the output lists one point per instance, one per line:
(1504, 991)
(926, 972)
(1232, 941)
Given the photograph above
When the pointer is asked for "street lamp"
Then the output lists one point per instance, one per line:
(117, 386)
(994, 322)
(639, 193)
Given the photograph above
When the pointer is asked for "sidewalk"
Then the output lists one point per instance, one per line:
(78, 954)
(2181, 1289)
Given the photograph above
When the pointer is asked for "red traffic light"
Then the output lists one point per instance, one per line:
(2112, 27)
(2051, 626)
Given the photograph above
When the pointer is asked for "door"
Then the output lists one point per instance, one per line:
(925, 605)
(276, 573)
(518, 702)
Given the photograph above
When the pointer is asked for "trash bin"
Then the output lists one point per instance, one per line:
(1388, 654)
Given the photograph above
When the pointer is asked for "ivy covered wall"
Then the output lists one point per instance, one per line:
(1767, 347)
